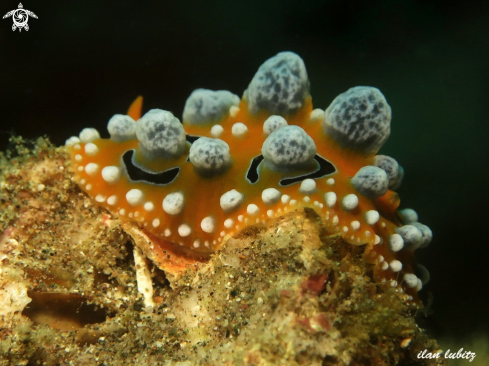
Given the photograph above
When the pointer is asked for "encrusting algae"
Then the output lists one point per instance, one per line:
(77, 288)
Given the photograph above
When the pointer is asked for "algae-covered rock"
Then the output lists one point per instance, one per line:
(281, 293)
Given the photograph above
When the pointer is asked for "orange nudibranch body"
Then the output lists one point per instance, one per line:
(235, 162)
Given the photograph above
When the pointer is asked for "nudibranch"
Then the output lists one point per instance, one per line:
(235, 162)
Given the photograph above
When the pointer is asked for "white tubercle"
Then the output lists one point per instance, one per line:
(173, 203)
(228, 223)
(252, 209)
(156, 222)
(410, 280)
(350, 202)
(89, 134)
(239, 129)
(285, 199)
(231, 200)
(335, 220)
(91, 169)
(273, 123)
(308, 186)
(330, 181)
(73, 140)
(149, 206)
(112, 200)
(395, 265)
(184, 230)
(217, 130)
(270, 196)
(208, 224)
(135, 197)
(396, 243)
(233, 111)
(419, 285)
(91, 149)
(100, 198)
(372, 217)
(316, 115)
(408, 216)
(355, 225)
(111, 174)
(330, 199)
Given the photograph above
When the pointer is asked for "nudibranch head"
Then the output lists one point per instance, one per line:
(234, 163)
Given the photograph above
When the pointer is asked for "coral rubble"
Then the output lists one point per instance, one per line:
(287, 292)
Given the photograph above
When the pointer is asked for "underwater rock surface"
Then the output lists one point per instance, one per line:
(75, 289)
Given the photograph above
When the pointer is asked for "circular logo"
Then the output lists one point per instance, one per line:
(20, 18)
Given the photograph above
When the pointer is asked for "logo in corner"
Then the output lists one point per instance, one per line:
(20, 17)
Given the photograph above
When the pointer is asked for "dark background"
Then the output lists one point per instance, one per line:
(83, 61)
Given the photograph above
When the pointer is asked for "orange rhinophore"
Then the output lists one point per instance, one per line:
(237, 162)
(135, 109)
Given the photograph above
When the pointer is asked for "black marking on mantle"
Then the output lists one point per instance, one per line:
(137, 174)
